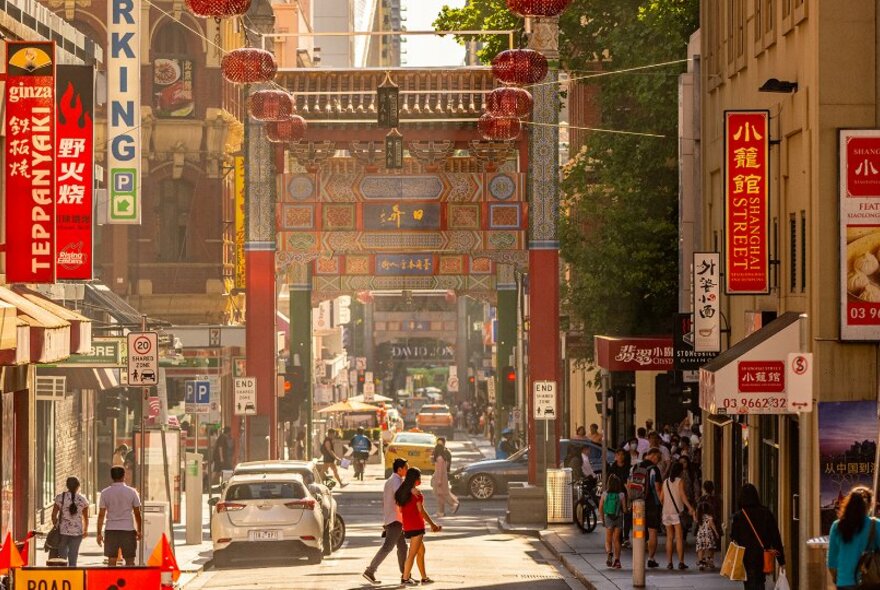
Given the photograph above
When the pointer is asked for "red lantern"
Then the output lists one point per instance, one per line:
(519, 67)
(288, 130)
(541, 8)
(218, 8)
(271, 105)
(248, 66)
(509, 101)
(499, 128)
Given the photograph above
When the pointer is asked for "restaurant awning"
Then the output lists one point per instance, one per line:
(48, 334)
(80, 325)
(634, 353)
(754, 376)
(83, 377)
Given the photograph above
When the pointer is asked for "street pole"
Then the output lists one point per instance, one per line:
(604, 384)
(638, 544)
(142, 470)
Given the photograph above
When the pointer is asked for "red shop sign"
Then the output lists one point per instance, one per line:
(862, 166)
(761, 376)
(746, 210)
(75, 92)
(634, 354)
(30, 162)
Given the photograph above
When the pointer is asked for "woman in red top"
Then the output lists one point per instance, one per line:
(412, 507)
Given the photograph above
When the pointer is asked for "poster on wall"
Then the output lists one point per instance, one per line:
(859, 234)
(173, 88)
(847, 443)
(746, 202)
(30, 162)
(75, 92)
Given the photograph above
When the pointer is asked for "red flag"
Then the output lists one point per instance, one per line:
(10, 558)
(163, 558)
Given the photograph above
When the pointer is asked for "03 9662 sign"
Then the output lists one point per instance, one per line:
(30, 162)
(747, 202)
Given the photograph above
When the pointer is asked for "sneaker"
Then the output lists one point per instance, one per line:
(342, 485)
(610, 561)
(652, 563)
(617, 565)
(427, 581)
(408, 582)
(682, 565)
(669, 566)
(371, 577)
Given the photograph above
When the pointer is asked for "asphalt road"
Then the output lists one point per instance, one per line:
(470, 552)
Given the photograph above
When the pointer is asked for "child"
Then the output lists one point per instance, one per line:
(707, 536)
(612, 506)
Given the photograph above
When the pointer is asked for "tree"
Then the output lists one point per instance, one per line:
(479, 15)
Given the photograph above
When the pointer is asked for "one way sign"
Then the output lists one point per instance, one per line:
(198, 397)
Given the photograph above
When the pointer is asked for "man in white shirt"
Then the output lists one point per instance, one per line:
(120, 506)
(392, 522)
(644, 445)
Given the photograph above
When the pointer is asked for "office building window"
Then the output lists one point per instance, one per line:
(803, 251)
(792, 253)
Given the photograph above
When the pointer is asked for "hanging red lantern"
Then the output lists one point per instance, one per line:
(509, 101)
(271, 105)
(248, 65)
(286, 131)
(499, 128)
(520, 67)
(218, 8)
(540, 8)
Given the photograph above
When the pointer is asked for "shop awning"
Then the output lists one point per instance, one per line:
(752, 377)
(83, 377)
(634, 353)
(48, 334)
(100, 298)
(80, 325)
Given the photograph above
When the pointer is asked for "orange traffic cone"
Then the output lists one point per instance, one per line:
(163, 558)
(10, 558)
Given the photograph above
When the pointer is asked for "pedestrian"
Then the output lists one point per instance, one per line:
(506, 447)
(440, 480)
(361, 446)
(687, 477)
(412, 506)
(119, 455)
(675, 501)
(594, 435)
(392, 527)
(707, 535)
(849, 538)
(642, 442)
(299, 445)
(580, 433)
(754, 527)
(621, 468)
(223, 449)
(612, 506)
(587, 465)
(120, 507)
(574, 461)
(714, 502)
(329, 457)
(71, 515)
(645, 481)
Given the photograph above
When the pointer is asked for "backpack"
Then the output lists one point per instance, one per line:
(639, 481)
(611, 507)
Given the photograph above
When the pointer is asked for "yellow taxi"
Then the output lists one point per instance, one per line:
(416, 447)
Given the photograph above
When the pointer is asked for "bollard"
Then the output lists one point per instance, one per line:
(639, 539)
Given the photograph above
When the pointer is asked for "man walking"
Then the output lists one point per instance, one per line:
(223, 449)
(653, 507)
(392, 523)
(120, 506)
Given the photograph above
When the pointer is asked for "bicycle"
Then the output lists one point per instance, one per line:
(359, 462)
(586, 508)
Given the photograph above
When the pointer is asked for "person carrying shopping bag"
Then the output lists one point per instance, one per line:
(754, 528)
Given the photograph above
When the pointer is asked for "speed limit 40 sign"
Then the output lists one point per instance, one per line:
(143, 358)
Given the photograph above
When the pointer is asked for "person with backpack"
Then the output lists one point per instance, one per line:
(645, 484)
(853, 533)
(612, 507)
(621, 468)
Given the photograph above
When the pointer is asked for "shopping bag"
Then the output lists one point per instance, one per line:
(733, 568)
(782, 581)
(345, 463)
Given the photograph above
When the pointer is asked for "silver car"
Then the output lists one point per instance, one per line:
(267, 515)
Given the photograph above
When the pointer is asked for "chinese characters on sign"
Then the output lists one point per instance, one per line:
(403, 216)
(30, 162)
(404, 264)
(75, 177)
(859, 234)
(707, 302)
(761, 376)
(746, 150)
(635, 354)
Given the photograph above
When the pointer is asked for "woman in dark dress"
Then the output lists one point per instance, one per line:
(754, 527)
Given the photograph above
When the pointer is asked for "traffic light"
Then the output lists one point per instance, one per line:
(111, 404)
(508, 386)
(294, 394)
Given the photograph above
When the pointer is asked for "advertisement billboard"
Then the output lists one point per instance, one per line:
(859, 234)
(746, 202)
(30, 162)
(707, 302)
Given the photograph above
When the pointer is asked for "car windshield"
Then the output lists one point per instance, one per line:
(434, 410)
(518, 455)
(413, 438)
(305, 472)
(265, 491)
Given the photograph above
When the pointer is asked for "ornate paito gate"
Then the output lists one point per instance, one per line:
(454, 217)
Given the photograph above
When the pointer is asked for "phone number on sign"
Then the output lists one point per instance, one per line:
(744, 405)
(863, 313)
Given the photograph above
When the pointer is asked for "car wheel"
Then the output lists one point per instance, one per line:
(315, 557)
(482, 486)
(337, 535)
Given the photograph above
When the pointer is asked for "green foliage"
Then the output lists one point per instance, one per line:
(480, 15)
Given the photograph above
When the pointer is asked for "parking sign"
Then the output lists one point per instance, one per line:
(197, 397)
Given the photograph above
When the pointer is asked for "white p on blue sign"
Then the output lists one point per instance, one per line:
(197, 397)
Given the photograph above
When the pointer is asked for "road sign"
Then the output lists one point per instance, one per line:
(68, 579)
(197, 397)
(490, 390)
(245, 396)
(452, 384)
(143, 358)
(545, 400)
(369, 391)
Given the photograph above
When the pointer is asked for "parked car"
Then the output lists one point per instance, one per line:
(313, 478)
(436, 418)
(267, 515)
(416, 447)
(484, 479)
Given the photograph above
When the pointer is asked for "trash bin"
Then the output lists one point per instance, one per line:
(559, 507)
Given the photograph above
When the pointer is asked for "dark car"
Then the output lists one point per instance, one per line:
(484, 479)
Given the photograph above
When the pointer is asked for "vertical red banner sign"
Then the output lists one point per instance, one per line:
(30, 162)
(747, 201)
(75, 91)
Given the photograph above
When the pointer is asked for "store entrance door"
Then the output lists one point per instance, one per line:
(794, 473)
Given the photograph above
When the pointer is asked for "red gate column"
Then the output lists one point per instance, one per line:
(543, 168)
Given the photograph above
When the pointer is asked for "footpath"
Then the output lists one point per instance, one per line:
(583, 554)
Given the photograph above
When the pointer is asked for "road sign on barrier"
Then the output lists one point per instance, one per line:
(50, 578)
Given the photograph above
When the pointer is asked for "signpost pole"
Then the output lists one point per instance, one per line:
(142, 470)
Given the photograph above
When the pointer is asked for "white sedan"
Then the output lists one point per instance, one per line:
(267, 515)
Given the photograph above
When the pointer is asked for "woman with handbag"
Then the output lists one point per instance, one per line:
(754, 528)
(674, 500)
(70, 516)
(852, 534)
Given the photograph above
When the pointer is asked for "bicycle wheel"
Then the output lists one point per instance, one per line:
(580, 510)
(591, 519)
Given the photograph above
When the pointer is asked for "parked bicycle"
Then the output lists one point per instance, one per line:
(586, 507)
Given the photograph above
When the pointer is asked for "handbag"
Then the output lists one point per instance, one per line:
(732, 568)
(683, 515)
(53, 539)
(769, 554)
(868, 567)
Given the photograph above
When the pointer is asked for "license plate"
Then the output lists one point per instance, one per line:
(413, 453)
(264, 535)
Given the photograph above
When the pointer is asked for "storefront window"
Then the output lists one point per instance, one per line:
(7, 441)
(45, 454)
(769, 462)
